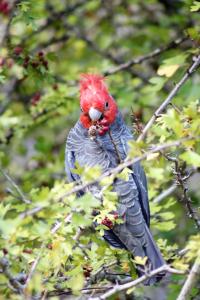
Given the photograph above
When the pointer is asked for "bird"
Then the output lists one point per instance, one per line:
(100, 138)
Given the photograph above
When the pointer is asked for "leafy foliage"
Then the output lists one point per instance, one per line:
(45, 47)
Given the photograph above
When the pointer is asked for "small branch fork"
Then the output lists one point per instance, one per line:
(181, 180)
(118, 288)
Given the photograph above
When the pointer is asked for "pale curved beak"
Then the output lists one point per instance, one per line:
(94, 114)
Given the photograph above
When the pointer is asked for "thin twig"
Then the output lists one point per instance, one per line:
(141, 59)
(165, 193)
(16, 187)
(169, 98)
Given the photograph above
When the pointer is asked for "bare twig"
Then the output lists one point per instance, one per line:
(165, 193)
(126, 286)
(36, 261)
(16, 187)
(169, 98)
(140, 59)
(191, 280)
(31, 212)
(34, 265)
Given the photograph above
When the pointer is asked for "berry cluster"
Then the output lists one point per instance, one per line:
(103, 126)
(35, 62)
(4, 7)
(107, 222)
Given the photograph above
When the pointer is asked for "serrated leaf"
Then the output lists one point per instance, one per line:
(167, 71)
(153, 155)
(140, 260)
(195, 6)
(124, 174)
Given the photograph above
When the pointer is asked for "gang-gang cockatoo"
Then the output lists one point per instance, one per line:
(100, 137)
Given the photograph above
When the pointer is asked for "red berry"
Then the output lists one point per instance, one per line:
(4, 7)
(49, 246)
(107, 222)
(28, 251)
(105, 128)
(35, 99)
(34, 64)
(40, 53)
(45, 63)
(27, 59)
(104, 122)
(101, 132)
(18, 50)
(116, 216)
(5, 251)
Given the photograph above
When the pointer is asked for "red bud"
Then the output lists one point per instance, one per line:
(18, 50)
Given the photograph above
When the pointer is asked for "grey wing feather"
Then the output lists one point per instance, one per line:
(140, 180)
(69, 166)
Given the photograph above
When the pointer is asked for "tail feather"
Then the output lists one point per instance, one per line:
(155, 259)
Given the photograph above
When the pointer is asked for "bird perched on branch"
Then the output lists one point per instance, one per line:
(100, 137)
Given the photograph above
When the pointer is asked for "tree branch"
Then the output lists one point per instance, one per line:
(181, 178)
(191, 280)
(126, 286)
(128, 162)
(169, 98)
(140, 59)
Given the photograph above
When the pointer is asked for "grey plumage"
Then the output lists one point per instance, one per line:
(133, 205)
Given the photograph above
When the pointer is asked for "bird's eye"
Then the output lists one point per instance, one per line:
(106, 104)
(81, 109)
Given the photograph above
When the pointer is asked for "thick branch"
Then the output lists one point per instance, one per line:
(126, 286)
(191, 280)
(169, 98)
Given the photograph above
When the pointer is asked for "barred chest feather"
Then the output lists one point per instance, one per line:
(101, 151)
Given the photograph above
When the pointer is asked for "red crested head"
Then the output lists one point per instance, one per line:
(96, 103)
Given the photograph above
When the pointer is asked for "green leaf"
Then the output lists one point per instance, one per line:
(195, 6)
(191, 157)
